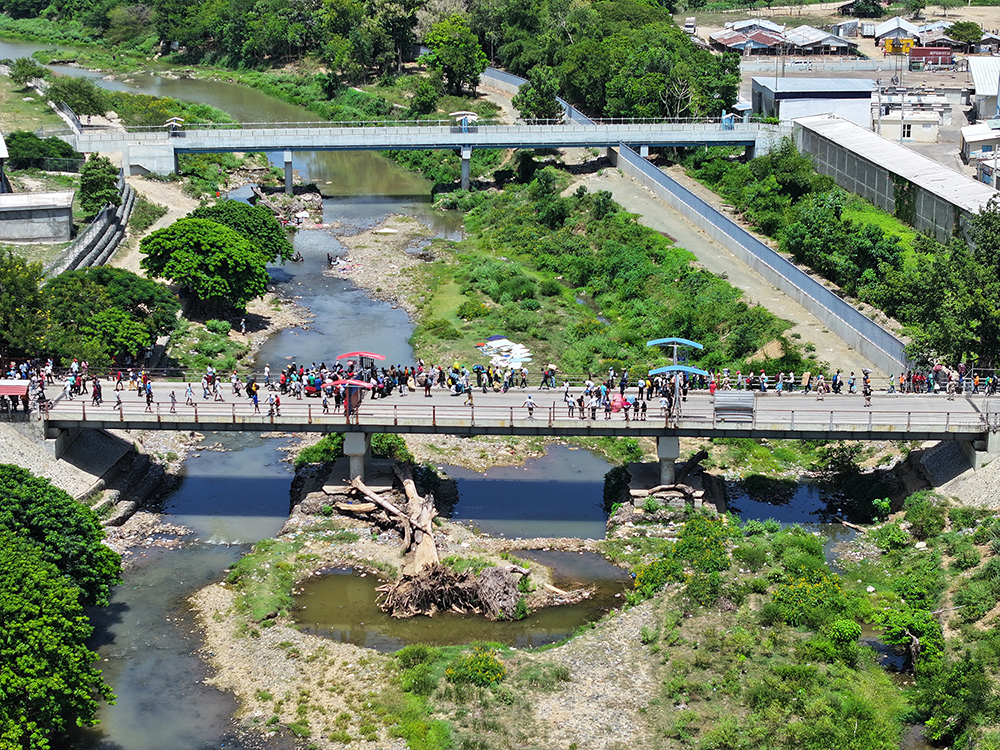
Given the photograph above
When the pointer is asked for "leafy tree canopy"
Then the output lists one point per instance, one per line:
(99, 184)
(456, 53)
(23, 69)
(81, 94)
(65, 532)
(536, 100)
(26, 149)
(254, 223)
(21, 305)
(103, 312)
(217, 265)
(47, 678)
(965, 31)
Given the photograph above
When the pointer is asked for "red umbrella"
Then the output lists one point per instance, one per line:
(360, 383)
(370, 355)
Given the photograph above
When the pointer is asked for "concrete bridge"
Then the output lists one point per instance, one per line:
(793, 416)
(155, 150)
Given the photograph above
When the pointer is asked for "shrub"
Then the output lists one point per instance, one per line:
(966, 559)
(751, 556)
(550, 288)
(772, 526)
(442, 329)
(703, 588)
(544, 676)
(652, 577)
(753, 527)
(926, 514)
(810, 598)
(890, 536)
(472, 309)
(418, 680)
(144, 214)
(963, 518)
(391, 446)
(220, 327)
(702, 543)
(414, 654)
(329, 448)
(481, 667)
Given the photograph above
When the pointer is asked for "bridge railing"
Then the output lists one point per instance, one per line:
(697, 414)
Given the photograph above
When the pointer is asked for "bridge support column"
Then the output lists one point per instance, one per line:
(288, 172)
(668, 450)
(749, 152)
(981, 452)
(356, 446)
(466, 167)
(644, 151)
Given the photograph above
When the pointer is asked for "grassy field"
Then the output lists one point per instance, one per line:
(23, 110)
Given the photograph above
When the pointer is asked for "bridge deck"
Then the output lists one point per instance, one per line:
(791, 417)
(341, 137)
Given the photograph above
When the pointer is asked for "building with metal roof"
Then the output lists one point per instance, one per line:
(808, 40)
(790, 98)
(925, 194)
(985, 73)
(896, 28)
(980, 141)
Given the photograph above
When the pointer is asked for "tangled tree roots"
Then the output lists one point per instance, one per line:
(492, 593)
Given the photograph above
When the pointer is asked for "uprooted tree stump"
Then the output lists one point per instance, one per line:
(493, 593)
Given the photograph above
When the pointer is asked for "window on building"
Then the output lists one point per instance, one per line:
(907, 131)
(987, 148)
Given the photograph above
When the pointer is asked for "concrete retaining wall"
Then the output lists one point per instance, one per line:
(866, 336)
(36, 217)
(98, 241)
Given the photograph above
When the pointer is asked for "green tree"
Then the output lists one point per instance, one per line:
(21, 305)
(99, 184)
(425, 98)
(26, 150)
(868, 9)
(217, 265)
(966, 31)
(254, 223)
(80, 94)
(130, 23)
(47, 676)
(456, 53)
(66, 533)
(914, 7)
(397, 19)
(23, 69)
(536, 100)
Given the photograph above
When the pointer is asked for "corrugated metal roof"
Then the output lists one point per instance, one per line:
(954, 187)
(863, 86)
(807, 36)
(751, 23)
(979, 132)
(3, 147)
(894, 23)
(985, 74)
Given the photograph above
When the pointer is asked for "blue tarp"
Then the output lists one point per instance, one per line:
(678, 368)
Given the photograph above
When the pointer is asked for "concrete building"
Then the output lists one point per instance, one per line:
(924, 102)
(791, 98)
(988, 173)
(985, 73)
(980, 141)
(923, 193)
(27, 218)
(908, 125)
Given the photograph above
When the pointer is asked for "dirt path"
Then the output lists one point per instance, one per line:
(167, 194)
(657, 215)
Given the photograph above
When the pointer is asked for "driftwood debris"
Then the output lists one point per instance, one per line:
(426, 554)
(493, 593)
(688, 466)
(386, 505)
(848, 524)
(355, 507)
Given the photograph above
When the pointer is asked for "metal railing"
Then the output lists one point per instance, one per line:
(866, 424)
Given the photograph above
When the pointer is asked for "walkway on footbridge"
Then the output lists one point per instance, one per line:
(154, 150)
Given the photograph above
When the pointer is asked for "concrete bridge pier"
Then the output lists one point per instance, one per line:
(357, 446)
(146, 159)
(288, 172)
(644, 151)
(668, 450)
(466, 167)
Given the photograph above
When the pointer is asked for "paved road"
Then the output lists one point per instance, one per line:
(892, 416)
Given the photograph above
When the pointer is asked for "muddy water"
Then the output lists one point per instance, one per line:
(342, 605)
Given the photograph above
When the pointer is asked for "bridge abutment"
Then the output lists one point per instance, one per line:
(147, 159)
(668, 450)
(357, 446)
(58, 440)
(981, 452)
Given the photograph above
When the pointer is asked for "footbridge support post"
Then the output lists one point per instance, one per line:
(357, 445)
(644, 151)
(466, 167)
(288, 172)
(668, 450)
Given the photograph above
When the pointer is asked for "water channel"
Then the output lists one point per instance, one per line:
(147, 638)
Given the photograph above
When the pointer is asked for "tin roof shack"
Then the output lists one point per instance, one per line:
(790, 98)
(807, 40)
(896, 28)
(754, 42)
(980, 141)
(985, 76)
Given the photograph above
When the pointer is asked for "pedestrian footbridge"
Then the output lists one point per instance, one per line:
(155, 150)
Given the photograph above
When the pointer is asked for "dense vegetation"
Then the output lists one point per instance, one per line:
(946, 296)
(27, 151)
(759, 639)
(52, 563)
(537, 265)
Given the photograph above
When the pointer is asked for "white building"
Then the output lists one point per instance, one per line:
(790, 98)
(985, 75)
(906, 126)
(980, 141)
(896, 28)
